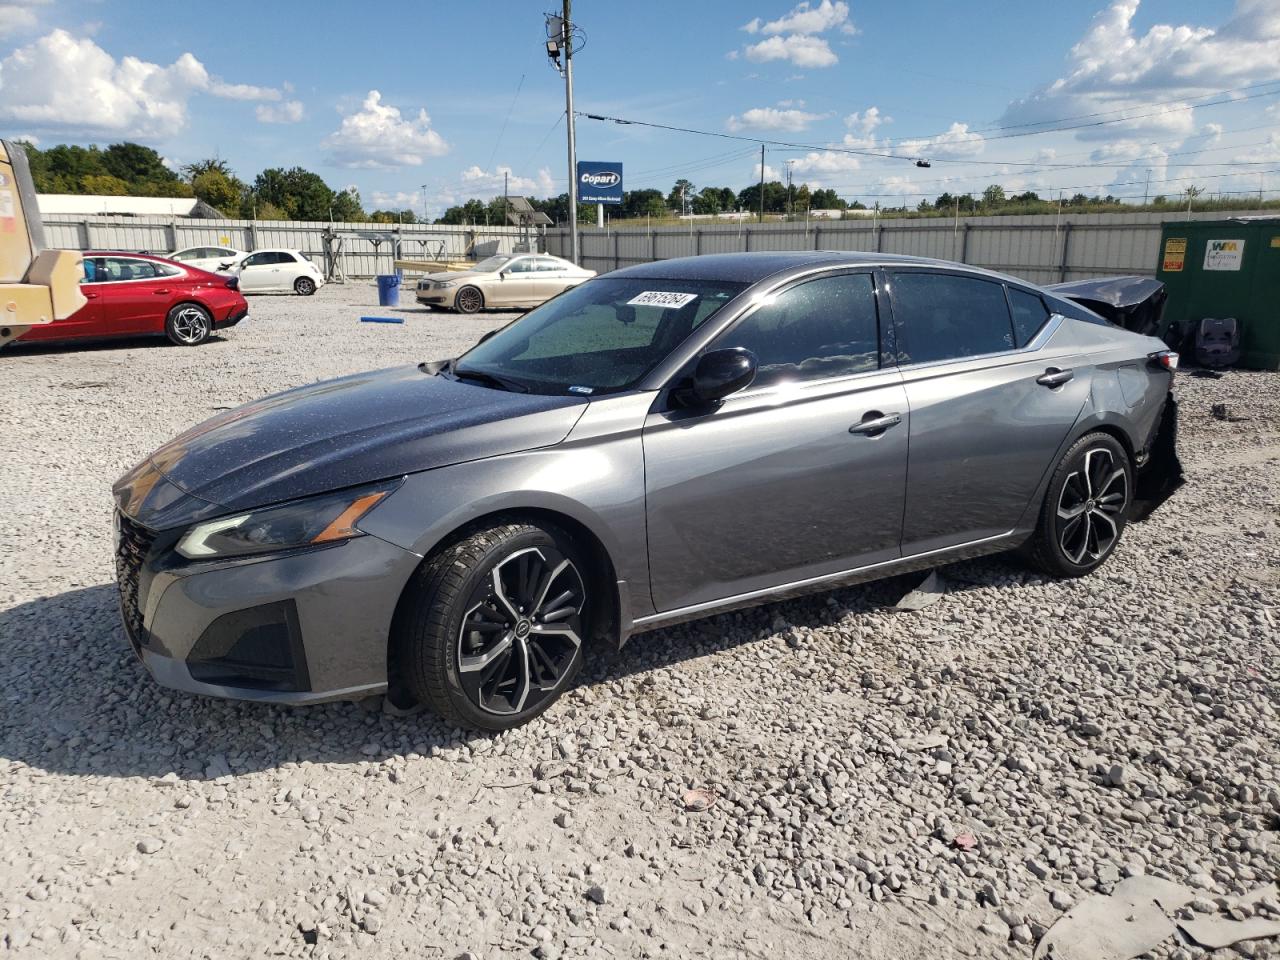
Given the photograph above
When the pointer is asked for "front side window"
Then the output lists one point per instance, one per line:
(948, 317)
(601, 336)
(184, 255)
(817, 329)
(1029, 315)
(258, 260)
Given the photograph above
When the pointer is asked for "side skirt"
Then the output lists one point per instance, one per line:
(845, 578)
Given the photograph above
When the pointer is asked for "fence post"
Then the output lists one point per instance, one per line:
(653, 246)
(879, 229)
(817, 232)
(697, 242)
(253, 235)
(964, 243)
(617, 261)
(86, 235)
(1066, 246)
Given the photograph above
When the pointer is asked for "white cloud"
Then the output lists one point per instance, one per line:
(802, 50)
(1113, 68)
(958, 141)
(74, 86)
(771, 118)
(489, 184)
(287, 111)
(825, 163)
(20, 17)
(770, 173)
(806, 18)
(378, 136)
(862, 128)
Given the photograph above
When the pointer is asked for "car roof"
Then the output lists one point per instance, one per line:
(127, 253)
(751, 267)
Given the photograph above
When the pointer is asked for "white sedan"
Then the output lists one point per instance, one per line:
(279, 270)
(518, 280)
(208, 258)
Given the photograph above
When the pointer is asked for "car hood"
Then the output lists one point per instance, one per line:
(335, 434)
(459, 275)
(1135, 303)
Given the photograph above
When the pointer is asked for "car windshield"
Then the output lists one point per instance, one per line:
(490, 264)
(602, 336)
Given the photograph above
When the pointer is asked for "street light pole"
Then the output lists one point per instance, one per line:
(424, 202)
(567, 35)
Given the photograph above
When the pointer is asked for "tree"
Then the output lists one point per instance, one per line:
(993, 196)
(1029, 196)
(643, 203)
(104, 184)
(775, 197)
(393, 216)
(712, 200)
(346, 206)
(683, 189)
(135, 164)
(218, 190)
(826, 199)
(213, 164)
(301, 194)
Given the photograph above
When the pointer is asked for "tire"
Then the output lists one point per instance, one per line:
(1085, 508)
(304, 286)
(469, 639)
(188, 325)
(469, 300)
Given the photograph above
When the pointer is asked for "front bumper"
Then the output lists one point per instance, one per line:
(299, 627)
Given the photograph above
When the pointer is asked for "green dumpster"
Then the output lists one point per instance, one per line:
(1225, 268)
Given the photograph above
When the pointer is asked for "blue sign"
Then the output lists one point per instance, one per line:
(599, 182)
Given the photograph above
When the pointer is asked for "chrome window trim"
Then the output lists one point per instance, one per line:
(152, 263)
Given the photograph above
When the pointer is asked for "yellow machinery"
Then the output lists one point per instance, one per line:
(37, 286)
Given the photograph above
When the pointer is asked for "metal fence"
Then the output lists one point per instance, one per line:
(363, 257)
(1042, 249)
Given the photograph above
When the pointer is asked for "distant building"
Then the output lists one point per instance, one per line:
(88, 205)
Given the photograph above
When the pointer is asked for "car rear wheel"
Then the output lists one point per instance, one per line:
(1085, 509)
(188, 325)
(469, 300)
(492, 628)
(304, 286)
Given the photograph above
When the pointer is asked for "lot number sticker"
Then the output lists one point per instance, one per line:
(1224, 255)
(1175, 254)
(661, 298)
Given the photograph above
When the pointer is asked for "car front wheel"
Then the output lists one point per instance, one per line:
(188, 325)
(1085, 509)
(492, 628)
(304, 286)
(469, 300)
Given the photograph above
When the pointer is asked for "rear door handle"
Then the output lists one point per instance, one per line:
(875, 423)
(1053, 377)
(91, 296)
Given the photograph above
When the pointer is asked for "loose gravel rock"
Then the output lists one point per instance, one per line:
(1081, 732)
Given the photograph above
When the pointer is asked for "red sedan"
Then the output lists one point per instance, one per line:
(132, 294)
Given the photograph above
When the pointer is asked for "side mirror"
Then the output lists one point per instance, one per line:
(717, 375)
(487, 336)
(502, 274)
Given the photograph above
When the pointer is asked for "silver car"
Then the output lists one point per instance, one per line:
(666, 442)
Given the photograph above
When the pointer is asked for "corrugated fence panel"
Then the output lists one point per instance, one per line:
(1042, 249)
(363, 257)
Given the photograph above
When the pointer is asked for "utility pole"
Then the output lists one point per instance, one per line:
(790, 203)
(506, 204)
(424, 202)
(567, 29)
(762, 183)
(1146, 192)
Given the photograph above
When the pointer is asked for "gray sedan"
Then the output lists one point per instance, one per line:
(666, 442)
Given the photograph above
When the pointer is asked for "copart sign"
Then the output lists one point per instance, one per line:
(599, 182)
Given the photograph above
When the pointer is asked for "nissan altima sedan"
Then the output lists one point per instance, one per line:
(666, 442)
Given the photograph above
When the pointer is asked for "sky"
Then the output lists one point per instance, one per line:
(427, 104)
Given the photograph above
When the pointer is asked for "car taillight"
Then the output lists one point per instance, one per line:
(1165, 358)
(233, 283)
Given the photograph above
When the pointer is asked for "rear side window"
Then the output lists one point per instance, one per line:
(818, 329)
(947, 317)
(167, 270)
(286, 258)
(1029, 315)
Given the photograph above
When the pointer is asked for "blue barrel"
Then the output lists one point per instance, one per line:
(388, 290)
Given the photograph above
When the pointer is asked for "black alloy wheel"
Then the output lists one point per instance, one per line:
(1086, 508)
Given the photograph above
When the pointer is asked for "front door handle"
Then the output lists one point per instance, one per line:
(1053, 377)
(161, 293)
(875, 423)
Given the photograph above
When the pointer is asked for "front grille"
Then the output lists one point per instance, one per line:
(133, 543)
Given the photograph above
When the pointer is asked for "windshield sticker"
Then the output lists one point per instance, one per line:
(581, 389)
(661, 298)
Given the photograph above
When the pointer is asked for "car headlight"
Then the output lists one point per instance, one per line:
(317, 520)
(446, 284)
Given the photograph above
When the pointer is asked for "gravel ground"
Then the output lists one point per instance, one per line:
(1080, 732)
